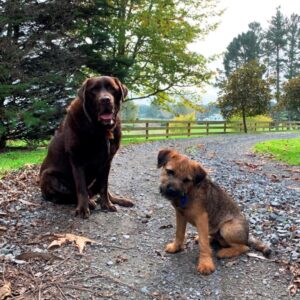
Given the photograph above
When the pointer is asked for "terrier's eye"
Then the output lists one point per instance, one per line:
(186, 180)
(170, 172)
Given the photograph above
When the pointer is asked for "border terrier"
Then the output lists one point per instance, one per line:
(202, 203)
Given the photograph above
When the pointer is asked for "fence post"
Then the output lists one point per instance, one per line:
(225, 127)
(207, 128)
(189, 129)
(147, 130)
(167, 130)
(241, 127)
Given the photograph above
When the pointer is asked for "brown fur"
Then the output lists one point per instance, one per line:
(79, 156)
(209, 208)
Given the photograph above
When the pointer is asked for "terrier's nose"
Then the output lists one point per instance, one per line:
(170, 190)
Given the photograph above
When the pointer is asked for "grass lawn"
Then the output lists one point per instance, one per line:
(287, 150)
(16, 159)
(18, 154)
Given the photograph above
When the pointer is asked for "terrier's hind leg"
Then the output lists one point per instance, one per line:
(235, 235)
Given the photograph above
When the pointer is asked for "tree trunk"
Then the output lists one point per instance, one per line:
(244, 122)
(2, 141)
(277, 74)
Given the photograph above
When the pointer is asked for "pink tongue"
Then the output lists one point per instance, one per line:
(106, 117)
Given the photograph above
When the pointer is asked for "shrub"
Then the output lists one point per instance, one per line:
(176, 127)
(237, 120)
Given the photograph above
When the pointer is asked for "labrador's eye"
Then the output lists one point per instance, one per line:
(186, 180)
(170, 172)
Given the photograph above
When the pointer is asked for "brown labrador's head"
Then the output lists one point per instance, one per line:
(179, 174)
(101, 98)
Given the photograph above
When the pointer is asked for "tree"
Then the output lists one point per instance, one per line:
(129, 111)
(40, 62)
(48, 47)
(245, 93)
(291, 97)
(243, 48)
(293, 46)
(148, 45)
(276, 40)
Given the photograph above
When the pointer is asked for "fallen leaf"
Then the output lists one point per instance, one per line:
(121, 259)
(295, 282)
(40, 255)
(251, 254)
(28, 202)
(80, 241)
(5, 290)
(294, 188)
(3, 228)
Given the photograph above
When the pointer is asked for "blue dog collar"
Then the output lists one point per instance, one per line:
(183, 201)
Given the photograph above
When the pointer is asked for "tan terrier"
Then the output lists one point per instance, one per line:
(205, 205)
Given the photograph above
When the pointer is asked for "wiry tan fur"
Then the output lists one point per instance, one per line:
(209, 208)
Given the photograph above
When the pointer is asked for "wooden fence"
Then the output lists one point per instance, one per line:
(165, 129)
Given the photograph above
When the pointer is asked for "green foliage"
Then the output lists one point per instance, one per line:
(244, 48)
(148, 45)
(257, 118)
(250, 121)
(276, 41)
(245, 93)
(175, 127)
(48, 47)
(277, 47)
(287, 151)
(293, 47)
(129, 111)
(291, 97)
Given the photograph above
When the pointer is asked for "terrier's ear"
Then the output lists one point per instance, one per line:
(163, 157)
(200, 174)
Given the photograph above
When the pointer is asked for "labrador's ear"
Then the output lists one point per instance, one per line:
(123, 88)
(82, 97)
(163, 157)
(200, 174)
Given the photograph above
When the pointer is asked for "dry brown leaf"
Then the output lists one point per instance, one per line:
(28, 202)
(294, 188)
(5, 291)
(295, 283)
(80, 241)
(251, 254)
(39, 255)
(3, 228)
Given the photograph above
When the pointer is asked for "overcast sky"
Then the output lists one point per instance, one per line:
(238, 14)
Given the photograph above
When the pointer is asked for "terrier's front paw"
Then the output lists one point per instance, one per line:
(173, 248)
(206, 266)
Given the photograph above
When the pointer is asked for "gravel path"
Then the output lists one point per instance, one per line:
(128, 261)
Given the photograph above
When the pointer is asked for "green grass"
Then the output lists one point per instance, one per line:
(286, 150)
(16, 159)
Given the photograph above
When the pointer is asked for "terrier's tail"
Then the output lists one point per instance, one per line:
(259, 246)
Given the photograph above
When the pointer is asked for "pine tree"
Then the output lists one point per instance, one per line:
(243, 48)
(276, 41)
(293, 46)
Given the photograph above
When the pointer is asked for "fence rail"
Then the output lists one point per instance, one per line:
(164, 128)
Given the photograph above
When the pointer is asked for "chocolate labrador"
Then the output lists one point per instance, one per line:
(79, 157)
